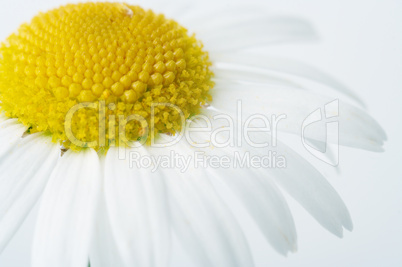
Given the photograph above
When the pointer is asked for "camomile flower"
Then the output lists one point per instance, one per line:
(120, 121)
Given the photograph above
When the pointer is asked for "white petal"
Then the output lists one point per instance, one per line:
(252, 23)
(262, 199)
(158, 211)
(225, 76)
(256, 31)
(10, 132)
(356, 127)
(104, 252)
(219, 16)
(286, 66)
(3, 117)
(202, 222)
(302, 181)
(15, 170)
(176, 11)
(137, 210)
(67, 213)
(23, 181)
(266, 205)
(305, 184)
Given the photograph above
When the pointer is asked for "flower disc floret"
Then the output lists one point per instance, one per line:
(121, 55)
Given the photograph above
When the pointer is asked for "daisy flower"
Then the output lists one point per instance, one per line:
(120, 121)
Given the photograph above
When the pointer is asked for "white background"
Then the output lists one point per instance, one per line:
(361, 44)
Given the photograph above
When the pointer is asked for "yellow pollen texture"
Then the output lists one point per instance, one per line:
(124, 57)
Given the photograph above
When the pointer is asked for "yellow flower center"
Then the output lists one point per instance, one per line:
(123, 59)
